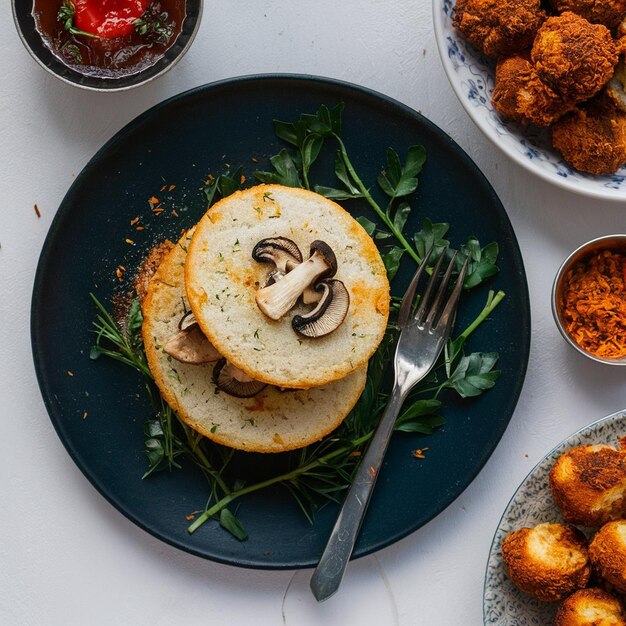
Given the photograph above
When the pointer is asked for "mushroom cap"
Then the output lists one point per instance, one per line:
(272, 421)
(329, 313)
(222, 281)
(282, 252)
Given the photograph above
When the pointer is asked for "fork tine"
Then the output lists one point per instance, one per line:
(409, 296)
(443, 286)
(447, 317)
(429, 288)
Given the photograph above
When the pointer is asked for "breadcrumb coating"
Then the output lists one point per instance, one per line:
(520, 95)
(549, 561)
(607, 12)
(499, 27)
(590, 607)
(607, 553)
(574, 57)
(592, 138)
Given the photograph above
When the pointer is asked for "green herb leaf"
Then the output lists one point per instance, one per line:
(223, 186)
(431, 235)
(474, 374)
(420, 417)
(286, 171)
(398, 180)
(368, 225)
(232, 525)
(482, 262)
(391, 259)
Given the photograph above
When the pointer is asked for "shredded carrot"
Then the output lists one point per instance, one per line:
(593, 304)
(419, 453)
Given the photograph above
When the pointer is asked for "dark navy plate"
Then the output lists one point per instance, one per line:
(98, 407)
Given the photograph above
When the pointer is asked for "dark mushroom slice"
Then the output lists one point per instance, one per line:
(187, 320)
(275, 300)
(190, 345)
(234, 382)
(282, 252)
(329, 313)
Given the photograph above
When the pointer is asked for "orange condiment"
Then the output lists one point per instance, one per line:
(593, 304)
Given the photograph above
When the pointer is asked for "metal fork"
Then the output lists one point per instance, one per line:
(422, 338)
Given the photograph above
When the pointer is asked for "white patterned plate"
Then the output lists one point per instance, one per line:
(503, 603)
(472, 78)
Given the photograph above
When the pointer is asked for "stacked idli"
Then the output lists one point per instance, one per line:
(259, 323)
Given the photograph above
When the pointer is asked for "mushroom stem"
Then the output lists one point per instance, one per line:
(275, 300)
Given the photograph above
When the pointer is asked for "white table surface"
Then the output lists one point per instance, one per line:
(66, 555)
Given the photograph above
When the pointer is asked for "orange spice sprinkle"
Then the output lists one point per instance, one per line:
(190, 517)
(37, 211)
(134, 221)
(372, 472)
(85, 414)
(355, 453)
(171, 187)
(130, 242)
(593, 304)
(69, 373)
(174, 213)
(419, 453)
(153, 200)
(140, 228)
(163, 188)
(119, 272)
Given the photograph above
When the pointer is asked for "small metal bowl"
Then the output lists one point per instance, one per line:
(32, 40)
(609, 242)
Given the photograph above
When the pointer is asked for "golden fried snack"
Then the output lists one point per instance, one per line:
(520, 95)
(592, 139)
(499, 27)
(549, 561)
(616, 89)
(607, 12)
(574, 57)
(590, 607)
(607, 554)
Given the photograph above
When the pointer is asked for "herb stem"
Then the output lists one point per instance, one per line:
(323, 460)
(368, 196)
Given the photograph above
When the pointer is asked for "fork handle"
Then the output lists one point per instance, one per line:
(334, 560)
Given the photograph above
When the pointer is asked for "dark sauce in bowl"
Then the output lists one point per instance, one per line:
(111, 58)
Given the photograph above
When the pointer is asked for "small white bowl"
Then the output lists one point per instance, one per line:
(472, 77)
(609, 242)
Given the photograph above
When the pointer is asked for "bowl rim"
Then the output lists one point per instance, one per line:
(112, 89)
(478, 120)
(589, 246)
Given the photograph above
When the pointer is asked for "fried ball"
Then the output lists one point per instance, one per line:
(593, 139)
(590, 607)
(616, 89)
(549, 561)
(520, 95)
(574, 57)
(499, 27)
(607, 554)
(607, 12)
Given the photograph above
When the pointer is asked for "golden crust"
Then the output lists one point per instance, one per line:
(549, 561)
(588, 484)
(520, 95)
(574, 57)
(329, 358)
(499, 27)
(591, 607)
(607, 553)
(607, 12)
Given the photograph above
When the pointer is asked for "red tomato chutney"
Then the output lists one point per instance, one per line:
(109, 38)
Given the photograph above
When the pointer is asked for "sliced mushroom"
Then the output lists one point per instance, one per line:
(329, 313)
(187, 320)
(275, 300)
(234, 382)
(280, 251)
(190, 345)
